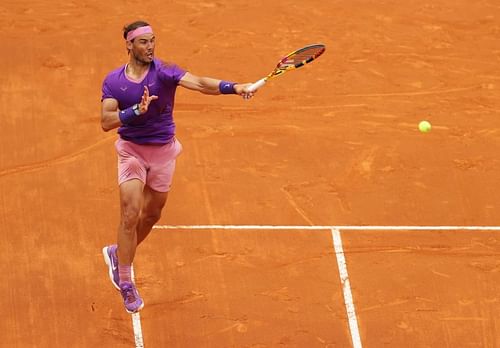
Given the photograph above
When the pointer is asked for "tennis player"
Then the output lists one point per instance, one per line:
(138, 99)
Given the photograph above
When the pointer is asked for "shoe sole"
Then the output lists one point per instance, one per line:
(110, 267)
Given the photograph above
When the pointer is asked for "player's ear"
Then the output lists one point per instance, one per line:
(128, 44)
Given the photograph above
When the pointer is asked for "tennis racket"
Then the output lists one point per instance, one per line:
(292, 61)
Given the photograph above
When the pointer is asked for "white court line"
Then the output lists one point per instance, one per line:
(136, 323)
(346, 288)
(347, 228)
(337, 242)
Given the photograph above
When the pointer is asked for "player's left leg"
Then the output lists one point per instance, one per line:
(161, 161)
(153, 204)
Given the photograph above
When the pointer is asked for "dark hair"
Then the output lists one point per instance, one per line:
(133, 26)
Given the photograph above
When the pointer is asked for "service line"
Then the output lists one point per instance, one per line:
(309, 227)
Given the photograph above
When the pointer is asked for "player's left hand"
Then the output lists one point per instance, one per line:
(242, 89)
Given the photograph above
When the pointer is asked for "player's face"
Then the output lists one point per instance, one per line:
(143, 48)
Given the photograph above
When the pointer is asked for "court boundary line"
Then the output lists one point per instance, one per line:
(136, 322)
(339, 253)
(346, 289)
(326, 227)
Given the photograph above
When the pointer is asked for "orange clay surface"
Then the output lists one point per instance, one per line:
(334, 143)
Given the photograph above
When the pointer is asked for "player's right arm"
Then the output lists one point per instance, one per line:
(109, 114)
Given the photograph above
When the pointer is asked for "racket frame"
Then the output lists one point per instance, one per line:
(283, 67)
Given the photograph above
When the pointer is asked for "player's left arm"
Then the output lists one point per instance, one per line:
(208, 85)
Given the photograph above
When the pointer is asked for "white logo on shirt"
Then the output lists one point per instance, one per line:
(123, 88)
(150, 84)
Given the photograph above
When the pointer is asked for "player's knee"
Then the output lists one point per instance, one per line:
(152, 216)
(130, 215)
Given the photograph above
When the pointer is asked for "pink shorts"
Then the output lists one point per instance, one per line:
(154, 165)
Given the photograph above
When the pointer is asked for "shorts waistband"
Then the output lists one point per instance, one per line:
(170, 141)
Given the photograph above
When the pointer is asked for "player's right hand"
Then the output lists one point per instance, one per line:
(146, 100)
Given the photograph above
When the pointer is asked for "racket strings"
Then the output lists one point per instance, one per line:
(302, 56)
(306, 55)
(297, 59)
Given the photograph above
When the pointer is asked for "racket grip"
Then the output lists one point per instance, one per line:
(257, 85)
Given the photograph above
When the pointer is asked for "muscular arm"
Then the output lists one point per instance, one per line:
(205, 85)
(208, 85)
(109, 114)
(110, 118)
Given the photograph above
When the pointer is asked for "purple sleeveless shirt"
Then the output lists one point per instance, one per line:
(157, 125)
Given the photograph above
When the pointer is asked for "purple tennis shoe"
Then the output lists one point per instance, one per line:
(133, 302)
(111, 259)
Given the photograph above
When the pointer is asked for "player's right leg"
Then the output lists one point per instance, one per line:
(132, 174)
(131, 200)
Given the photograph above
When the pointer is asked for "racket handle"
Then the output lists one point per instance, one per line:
(257, 85)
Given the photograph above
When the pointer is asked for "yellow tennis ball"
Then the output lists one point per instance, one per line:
(424, 126)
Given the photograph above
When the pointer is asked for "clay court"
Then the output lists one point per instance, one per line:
(271, 236)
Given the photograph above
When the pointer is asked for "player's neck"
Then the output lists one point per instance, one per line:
(136, 69)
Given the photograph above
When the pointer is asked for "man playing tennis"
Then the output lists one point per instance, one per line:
(138, 99)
